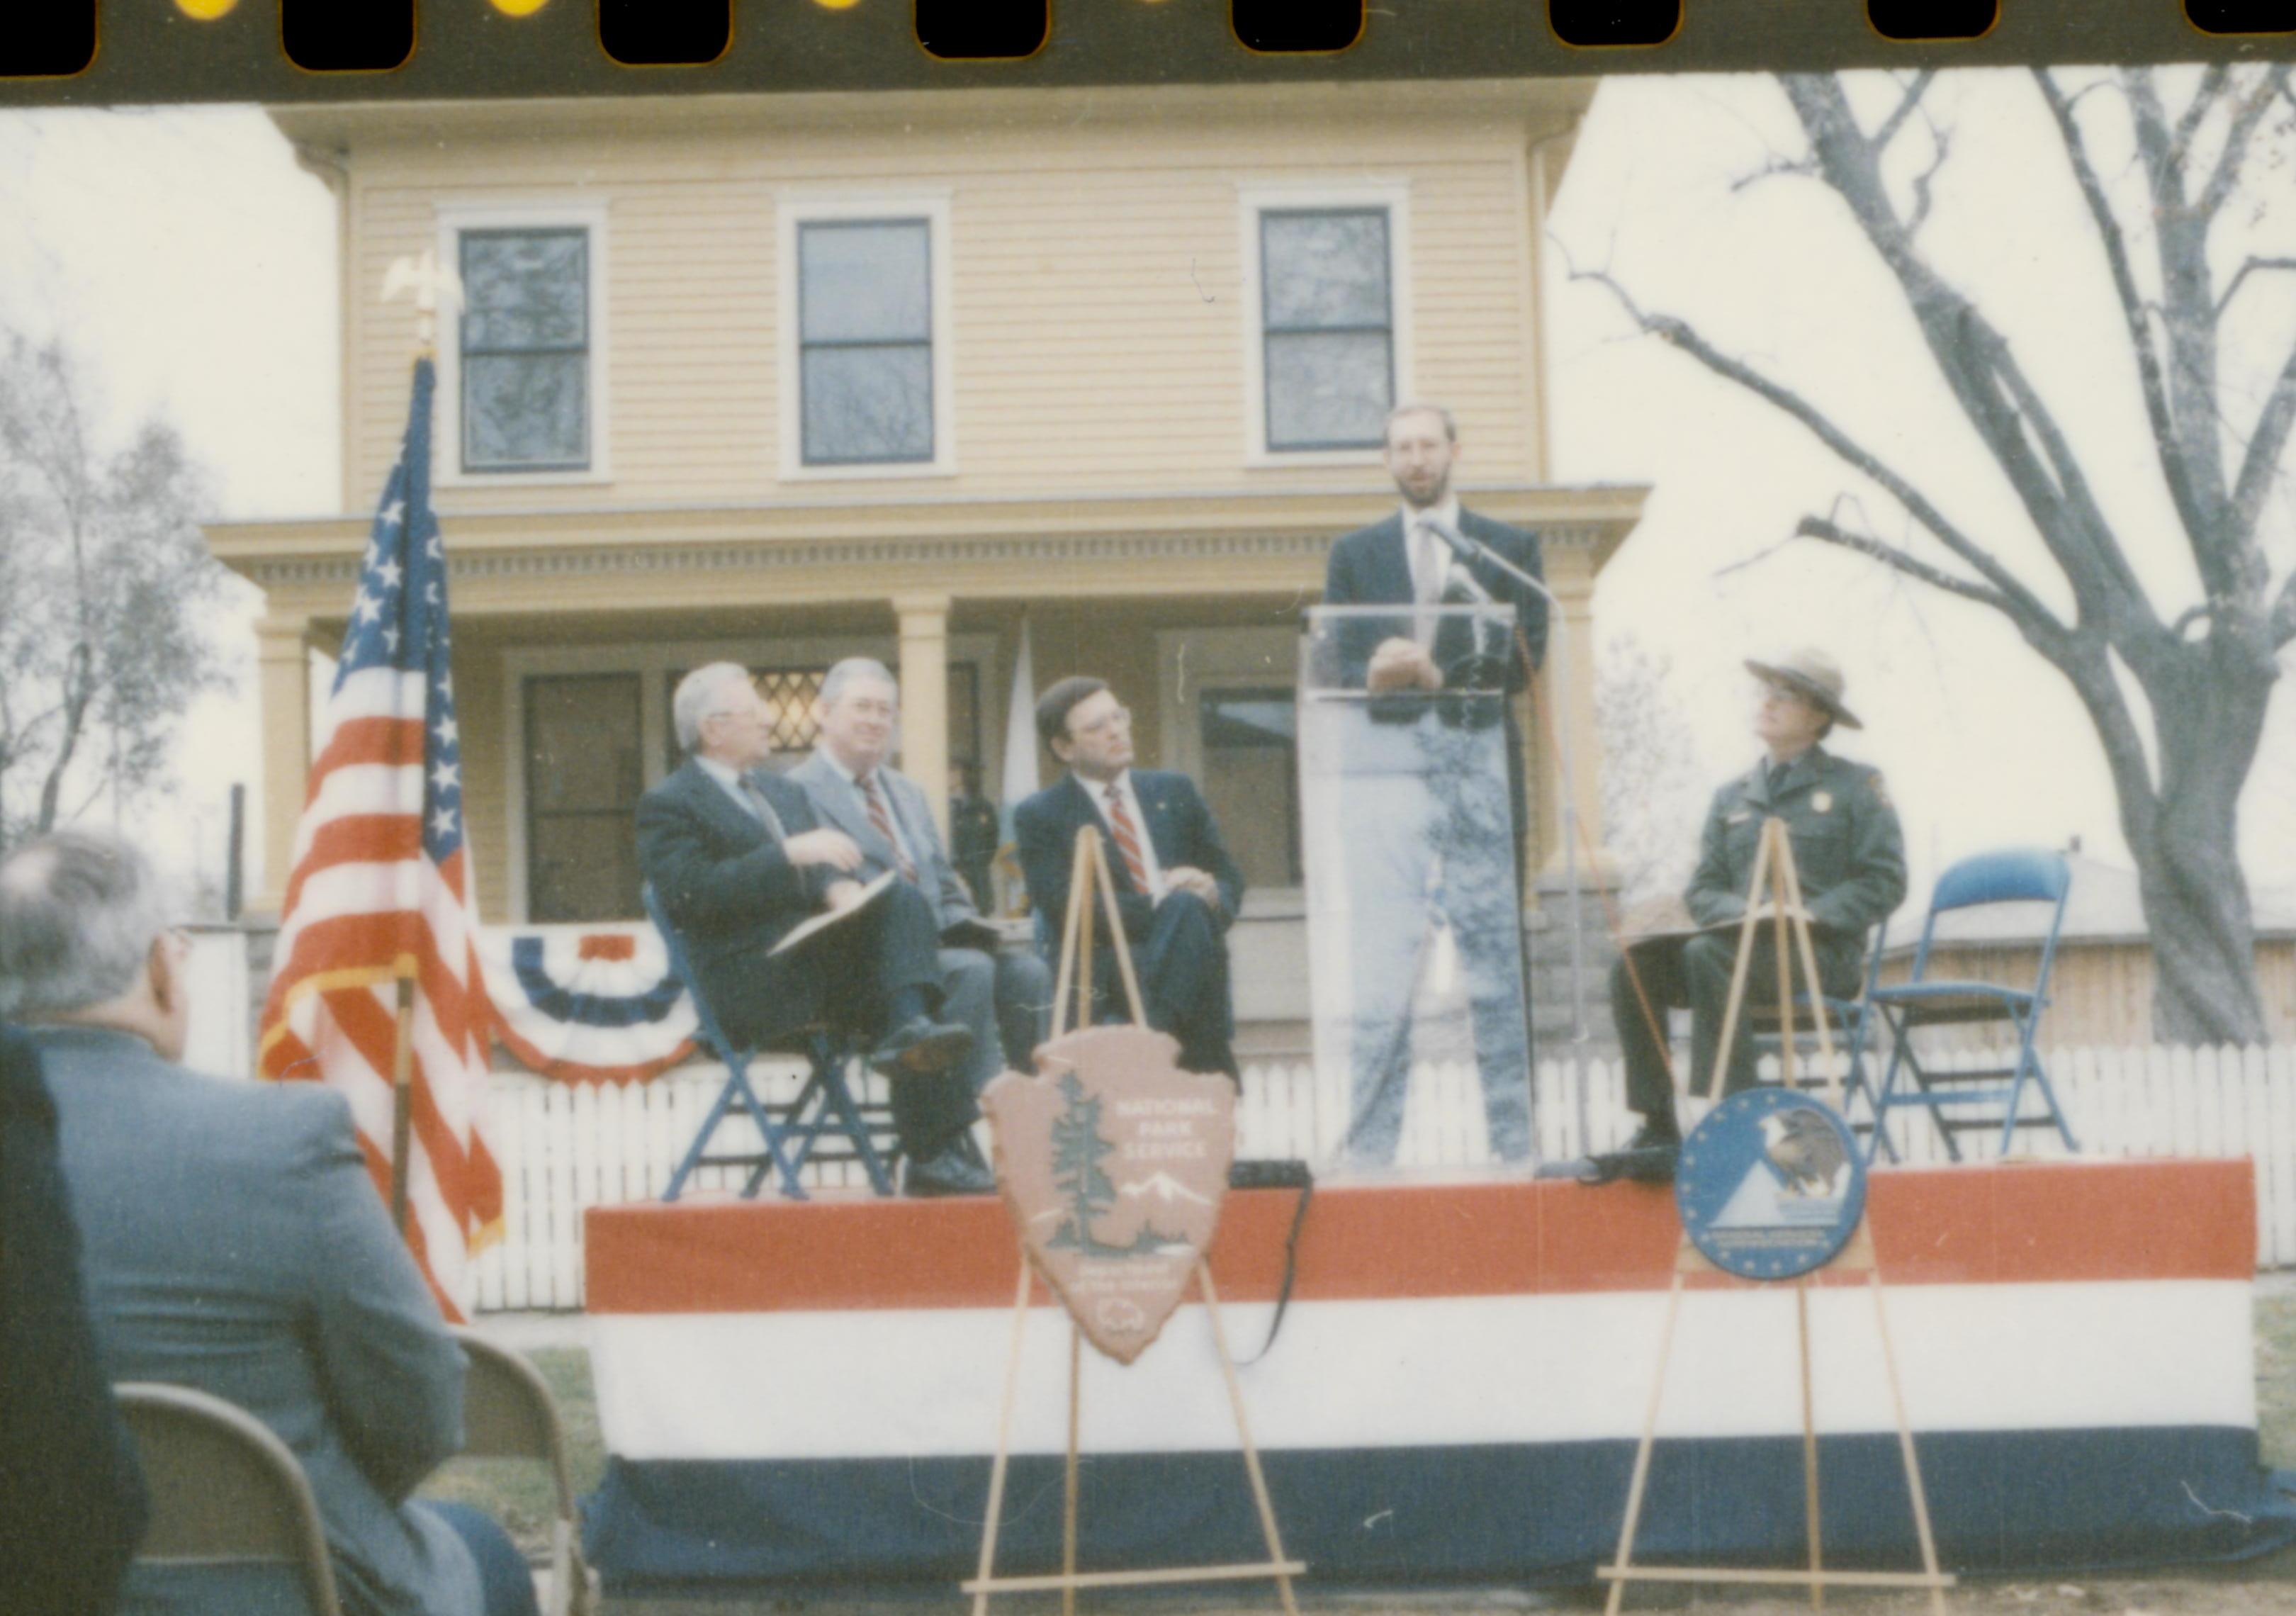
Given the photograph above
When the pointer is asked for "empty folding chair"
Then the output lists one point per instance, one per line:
(2015, 876)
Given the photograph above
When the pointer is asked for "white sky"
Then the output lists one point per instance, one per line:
(185, 255)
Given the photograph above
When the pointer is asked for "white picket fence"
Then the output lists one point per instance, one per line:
(565, 1148)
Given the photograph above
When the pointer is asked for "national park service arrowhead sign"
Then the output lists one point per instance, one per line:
(1113, 1161)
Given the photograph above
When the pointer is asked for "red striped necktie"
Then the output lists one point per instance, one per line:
(884, 820)
(1127, 841)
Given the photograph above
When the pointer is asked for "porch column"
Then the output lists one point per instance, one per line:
(283, 656)
(924, 697)
(1569, 681)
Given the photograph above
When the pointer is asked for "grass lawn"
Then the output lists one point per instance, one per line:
(2276, 1374)
(518, 1492)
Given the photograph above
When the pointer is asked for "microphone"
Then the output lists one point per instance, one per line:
(1467, 549)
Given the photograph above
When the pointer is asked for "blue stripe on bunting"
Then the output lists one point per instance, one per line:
(587, 1009)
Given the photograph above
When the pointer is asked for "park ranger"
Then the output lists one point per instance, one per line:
(1848, 851)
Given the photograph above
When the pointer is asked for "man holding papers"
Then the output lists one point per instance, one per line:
(739, 861)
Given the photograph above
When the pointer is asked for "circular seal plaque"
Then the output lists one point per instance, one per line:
(1770, 1185)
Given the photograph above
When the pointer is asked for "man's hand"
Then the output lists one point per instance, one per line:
(841, 894)
(831, 847)
(1401, 664)
(1187, 878)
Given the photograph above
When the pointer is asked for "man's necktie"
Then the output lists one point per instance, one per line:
(879, 816)
(1127, 841)
(1777, 778)
(763, 807)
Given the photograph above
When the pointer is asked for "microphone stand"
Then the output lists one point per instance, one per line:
(1469, 551)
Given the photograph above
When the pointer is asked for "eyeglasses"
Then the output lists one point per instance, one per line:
(1109, 722)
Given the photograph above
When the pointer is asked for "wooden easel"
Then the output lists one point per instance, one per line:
(1774, 876)
(1089, 872)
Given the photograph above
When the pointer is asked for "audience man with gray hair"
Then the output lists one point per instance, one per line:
(890, 820)
(739, 859)
(233, 1242)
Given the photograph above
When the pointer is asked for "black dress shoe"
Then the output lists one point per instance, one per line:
(918, 1047)
(1656, 1136)
(952, 1172)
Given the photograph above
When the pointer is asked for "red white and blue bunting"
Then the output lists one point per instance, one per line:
(588, 1006)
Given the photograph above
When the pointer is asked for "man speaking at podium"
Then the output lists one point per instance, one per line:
(1437, 838)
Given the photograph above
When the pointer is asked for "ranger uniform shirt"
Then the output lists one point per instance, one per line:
(1847, 847)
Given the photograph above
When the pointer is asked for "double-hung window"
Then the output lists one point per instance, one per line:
(523, 377)
(866, 343)
(526, 350)
(1329, 340)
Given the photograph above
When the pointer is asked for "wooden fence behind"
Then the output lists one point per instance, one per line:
(565, 1148)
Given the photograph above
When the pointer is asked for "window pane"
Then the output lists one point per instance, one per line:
(583, 867)
(868, 282)
(1251, 779)
(1329, 390)
(868, 404)
(583, 778)
(521, 411)
(1324, 269)
(525, 289)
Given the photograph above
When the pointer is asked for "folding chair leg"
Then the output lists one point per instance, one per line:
(737, 1095)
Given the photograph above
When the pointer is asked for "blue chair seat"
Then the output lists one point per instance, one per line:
(1949, 1093)
(789, 1135)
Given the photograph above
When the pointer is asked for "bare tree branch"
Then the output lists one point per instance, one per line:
(1923, 182)
(2261, 462)
(1679, 333)
(1977, 366)
(2151, 381)
(1912, 566)
(1777, 167)
(2283, 624)
(2247, 269)
(2250, 113)
(1904, 110)
(2212, 85)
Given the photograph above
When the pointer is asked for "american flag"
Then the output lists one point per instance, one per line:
(380, 890)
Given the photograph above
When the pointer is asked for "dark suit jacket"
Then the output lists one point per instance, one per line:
(1369, 568)
(72, 1498)
(235, 1244)
(732, 894)
(1179, 827)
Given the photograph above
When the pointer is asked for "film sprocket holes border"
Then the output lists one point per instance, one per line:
(153, 52)
(803, 56)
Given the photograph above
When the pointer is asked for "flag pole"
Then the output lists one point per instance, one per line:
(402, 1092)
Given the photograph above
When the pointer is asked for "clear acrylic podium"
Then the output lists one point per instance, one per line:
(1414, 926)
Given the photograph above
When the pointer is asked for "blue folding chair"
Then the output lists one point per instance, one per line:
(790, 1134)
(1851, 1022)
(2015, 876)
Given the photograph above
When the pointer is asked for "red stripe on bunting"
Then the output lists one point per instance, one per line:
(1997, 1224)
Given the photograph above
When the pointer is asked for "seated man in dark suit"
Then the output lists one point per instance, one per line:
(1176, 889)
(72, 1498)
(235, 1244)
(1000, 995)
(739, 860)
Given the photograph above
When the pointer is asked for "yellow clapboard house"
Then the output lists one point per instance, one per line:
(783, 379)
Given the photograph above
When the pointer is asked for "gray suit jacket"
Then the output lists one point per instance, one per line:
(840, 802)
(233, 1242)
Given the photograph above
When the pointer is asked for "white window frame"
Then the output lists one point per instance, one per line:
(652, 660)
(1254, 199)
(538, 213)
(1190, 662)
(932, 206)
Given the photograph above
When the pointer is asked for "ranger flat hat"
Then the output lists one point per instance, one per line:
(1814, 673)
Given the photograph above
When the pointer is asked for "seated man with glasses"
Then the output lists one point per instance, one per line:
(739, 860)
(1177, 890)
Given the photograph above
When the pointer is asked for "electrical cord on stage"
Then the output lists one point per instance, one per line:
(1289, 1173)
